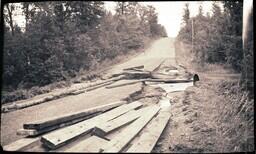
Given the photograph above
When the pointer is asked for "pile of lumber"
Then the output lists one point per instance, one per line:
(35, 128)
(135, 74)
(119, 127)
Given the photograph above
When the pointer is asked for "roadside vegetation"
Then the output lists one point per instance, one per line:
(217, 39)
(64, 39)
(220, 107)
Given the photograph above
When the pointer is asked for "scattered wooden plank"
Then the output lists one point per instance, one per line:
(21, 144)
(123, 84)
(151, 134)
(34, 132)
(136, 75)
(158, 67)
(150, 80)
(71, 91)
(136, 67)
(88, 145)
(169, 80)
(60, 137)
(40, 124)
(118, 143)
(99, 86)
(139, 70)
(106, 128)
(8, 108)
(77, 92)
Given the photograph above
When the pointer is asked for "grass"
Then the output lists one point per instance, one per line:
(227, 107)
(236, 117)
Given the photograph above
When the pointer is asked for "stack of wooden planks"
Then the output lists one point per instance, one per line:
(38, 127)
(118, 127)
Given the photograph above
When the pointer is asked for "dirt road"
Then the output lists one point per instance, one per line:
(160, 50)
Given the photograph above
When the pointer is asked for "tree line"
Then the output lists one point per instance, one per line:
(62, 38)
(217, 38)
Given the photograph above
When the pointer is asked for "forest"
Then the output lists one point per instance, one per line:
(63, 38)
(217, 39)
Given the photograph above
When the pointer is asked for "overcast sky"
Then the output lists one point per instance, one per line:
(169, 13)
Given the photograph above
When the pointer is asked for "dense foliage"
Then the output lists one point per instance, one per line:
(217, 38)
(62, 38)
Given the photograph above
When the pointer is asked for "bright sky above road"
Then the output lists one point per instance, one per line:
(170, 13)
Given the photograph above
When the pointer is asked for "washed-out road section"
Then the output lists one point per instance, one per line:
(159, 50)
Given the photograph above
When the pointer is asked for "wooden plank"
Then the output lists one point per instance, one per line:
(71, 91)
(136, 67)
(88, 145)
(105, 128)
(99, 86)
(41, 124)
(60, 137)
(151, 134)
(118, 143)
(168, 80)
(123, 84)
(150, 80)
(21, 144)
(34, 132)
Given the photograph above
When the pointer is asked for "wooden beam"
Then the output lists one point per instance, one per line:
(88, 145)
(41, 124)
(108, 127)
(71, 91)
(60, 137)
(21, 144)
(150, 80)
(35, 132)
(150, 136)
(123, 84)
(118, 143)
(99, 86)
(136, 67)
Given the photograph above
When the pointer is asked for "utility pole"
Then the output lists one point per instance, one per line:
(247, 35)
(192, 35)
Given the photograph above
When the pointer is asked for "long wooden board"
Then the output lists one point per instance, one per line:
(60, 137)
(41, 124)
(135, 67)
(106, 128)
(151, 134)
(118, 143)
(150, 80)
(52, 96)
(35, 132)
(21, 144)
(88, 145)
(99, 86)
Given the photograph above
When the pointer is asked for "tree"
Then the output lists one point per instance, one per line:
(9, 18)
(186, 15)
(200, 11)
(126, 8)
(235, 10)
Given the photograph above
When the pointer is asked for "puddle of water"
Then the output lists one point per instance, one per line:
(174, 87)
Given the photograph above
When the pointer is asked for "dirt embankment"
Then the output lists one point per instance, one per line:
(216, 115)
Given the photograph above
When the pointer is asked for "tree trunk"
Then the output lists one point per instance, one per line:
(10, 17)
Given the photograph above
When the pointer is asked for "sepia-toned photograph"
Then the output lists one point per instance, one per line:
(127, 76)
